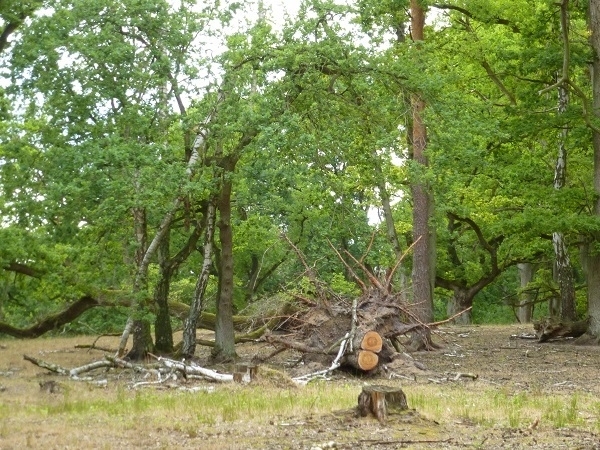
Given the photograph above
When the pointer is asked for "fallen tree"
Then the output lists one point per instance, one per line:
(549, 328)
(363, 334)
(74, 310)
(163, 370)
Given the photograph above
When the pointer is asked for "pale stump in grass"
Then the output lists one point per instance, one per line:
(244, 373)
(379, 400)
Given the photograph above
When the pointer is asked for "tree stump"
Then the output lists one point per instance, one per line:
(244, 373)
(378, 400)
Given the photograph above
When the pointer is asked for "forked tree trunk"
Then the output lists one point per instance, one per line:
(191, 322)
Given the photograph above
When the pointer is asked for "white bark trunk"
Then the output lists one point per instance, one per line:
(189, 329)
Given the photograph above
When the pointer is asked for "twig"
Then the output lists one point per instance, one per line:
(373, 234)
(404, 442)
(356, 278)
(388, 280)
(372, 278)
(441, 322)
(95, 347)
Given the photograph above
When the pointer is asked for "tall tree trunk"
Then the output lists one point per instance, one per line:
(140, 326)
(564, 270)
(525, 308)
(191, 322)
(593, 255)
(163, 331)
(423, 275)
(224, 349)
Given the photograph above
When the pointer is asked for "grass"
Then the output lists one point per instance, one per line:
(191, 414)
(497, 407)
(262, 413)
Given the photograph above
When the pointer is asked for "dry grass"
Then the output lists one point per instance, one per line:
(271, 414)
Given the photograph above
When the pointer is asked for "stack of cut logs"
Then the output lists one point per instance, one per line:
(367, 344)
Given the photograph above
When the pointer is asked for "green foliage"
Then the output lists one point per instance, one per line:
(104, 101)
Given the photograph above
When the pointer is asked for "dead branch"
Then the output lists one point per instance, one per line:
(322, 373)
(373, 234)
(310, 271)
(372, 278)
(96, 347)
(356, 278)
(450, 319)
(193, 369)
(388, 280)
(72, 373)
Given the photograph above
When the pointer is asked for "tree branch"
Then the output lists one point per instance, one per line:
(469, 14)
(23, 269)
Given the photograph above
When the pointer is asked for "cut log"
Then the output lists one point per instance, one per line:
(363, 360)
(380, 400)
(372, 341)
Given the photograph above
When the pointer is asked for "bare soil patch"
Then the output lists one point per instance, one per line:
(483, 389)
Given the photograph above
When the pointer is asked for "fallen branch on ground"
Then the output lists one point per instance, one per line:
(165, 368)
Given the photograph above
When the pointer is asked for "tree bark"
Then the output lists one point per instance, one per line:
(593, 255)
(379, 400)
(140, 326)
(191, 322)
(224, 349)
(423, 274)
(562, 263)
(525, 308)
(462, 300)
(163, 330)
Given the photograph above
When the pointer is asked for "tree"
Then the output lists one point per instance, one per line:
(423, 274)
(592, 257)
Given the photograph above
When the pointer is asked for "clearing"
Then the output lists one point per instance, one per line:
(484, 389)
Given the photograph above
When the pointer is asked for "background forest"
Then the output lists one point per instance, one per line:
(160, 158)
